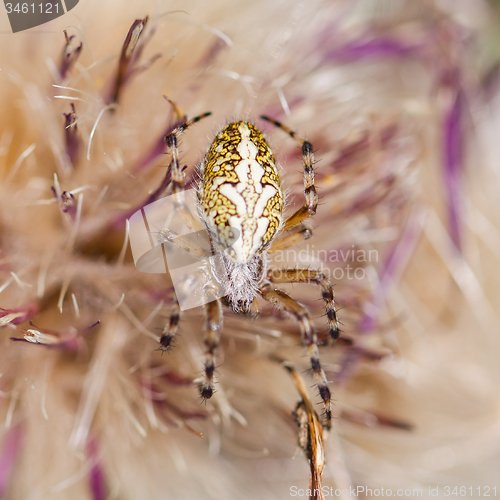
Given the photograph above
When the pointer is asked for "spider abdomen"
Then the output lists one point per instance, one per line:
(240, 192)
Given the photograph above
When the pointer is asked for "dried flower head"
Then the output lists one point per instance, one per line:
(393, 96)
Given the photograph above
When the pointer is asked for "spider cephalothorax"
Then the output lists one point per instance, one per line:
(241, 201)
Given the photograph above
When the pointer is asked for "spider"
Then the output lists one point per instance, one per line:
(241, 204)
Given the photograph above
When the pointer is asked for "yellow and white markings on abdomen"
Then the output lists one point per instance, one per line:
(240, 192)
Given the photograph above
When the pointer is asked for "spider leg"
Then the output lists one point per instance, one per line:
(184, 242)
(290, 240)
(179, 115)
(316, 278)
(213, 325)
(171, 142)
(171, 327)
(309, 339)
(309, 208)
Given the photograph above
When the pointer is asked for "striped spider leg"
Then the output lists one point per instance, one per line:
(212, 307)
(282, 276)
(286, 303)
(303, 213)
(212, 327)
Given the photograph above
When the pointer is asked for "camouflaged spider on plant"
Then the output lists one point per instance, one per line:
(241, 203)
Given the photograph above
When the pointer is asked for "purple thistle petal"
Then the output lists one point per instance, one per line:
(66, 201)
(11, 446)
(65, 341)
(71, 137)
(97, 478)
(69, 56)
(175, 379)
(118, 223)
(393, 265)
(354, 150)
(157, 149)
(347, 363)
(384, 47)
(453, 162)
(374, 419)
(66, 346)
(211, 54)
(17, 339)
(129, 59)
(89, 328)
(127, 53)
(18, 315)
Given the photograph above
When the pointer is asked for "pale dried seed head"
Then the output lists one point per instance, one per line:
(374, 107)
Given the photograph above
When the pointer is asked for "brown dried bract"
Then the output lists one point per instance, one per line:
(310, 436)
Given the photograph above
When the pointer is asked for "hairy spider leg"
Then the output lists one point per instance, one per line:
(172, 144)
(315, 278)
(311, 202)
(309, 339)
(213, 326)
